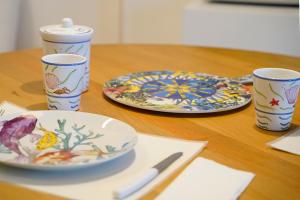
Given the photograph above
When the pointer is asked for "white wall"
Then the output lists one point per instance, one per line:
(152, 21)
(155, 21)
(102, 15)
(9, 15)
(114, 21)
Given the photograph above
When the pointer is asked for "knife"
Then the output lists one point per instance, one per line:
(153, 172)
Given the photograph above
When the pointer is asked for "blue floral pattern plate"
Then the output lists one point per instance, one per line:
(178, 92)
(51, 140)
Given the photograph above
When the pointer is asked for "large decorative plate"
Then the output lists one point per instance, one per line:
(177, 92)
(51, 140)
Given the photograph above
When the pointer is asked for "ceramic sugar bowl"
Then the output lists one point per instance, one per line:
(67, 38)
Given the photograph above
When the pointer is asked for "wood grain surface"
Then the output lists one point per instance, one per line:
(234, 140)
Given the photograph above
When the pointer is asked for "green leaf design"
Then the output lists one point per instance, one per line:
(260, 93)
(68, 76)
(70, 47)
(277, 94)
(54, 68)
(110, 148)
(4, 149)
(125, 145)
(53, 101)
(263, 106)
(77, 85)
(79, 49)
(264, 117)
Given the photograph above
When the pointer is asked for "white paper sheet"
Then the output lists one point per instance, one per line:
(99, 182)
(7, 108)
(208, 180)
(289, 142)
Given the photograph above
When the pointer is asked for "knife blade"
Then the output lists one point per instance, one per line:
(147, 177)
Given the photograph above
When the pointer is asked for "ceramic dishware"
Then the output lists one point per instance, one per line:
(67, 38)
(56, 140)
(275, 94)
(178, 92)
(63, 80)
(246, 79)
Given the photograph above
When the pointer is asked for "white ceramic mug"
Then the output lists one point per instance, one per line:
(275, 95)
(67, 38)
(63, 80)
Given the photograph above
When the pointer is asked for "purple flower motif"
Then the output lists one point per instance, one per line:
(15, 129)
(292, 93)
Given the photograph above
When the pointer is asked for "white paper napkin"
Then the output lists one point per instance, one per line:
(289, 142)
(208, 180)
(98, 182)
(7, 108)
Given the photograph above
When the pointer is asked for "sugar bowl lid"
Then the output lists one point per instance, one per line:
(66, 32)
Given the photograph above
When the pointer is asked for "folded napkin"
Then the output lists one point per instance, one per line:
(98, 182)
(289, 142)
(207, 180)
(7, 108)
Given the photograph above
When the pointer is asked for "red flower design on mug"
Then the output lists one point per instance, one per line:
(274, 102)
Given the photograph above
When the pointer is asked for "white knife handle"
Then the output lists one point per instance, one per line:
(136, 185)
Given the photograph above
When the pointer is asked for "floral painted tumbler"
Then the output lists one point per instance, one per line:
(67, 38)
(275, 95)
(63, 80)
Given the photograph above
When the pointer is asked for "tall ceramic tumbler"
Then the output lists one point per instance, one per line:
(63, 80)
(275, 95)
(67, 38)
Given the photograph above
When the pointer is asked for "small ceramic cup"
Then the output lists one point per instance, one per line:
(275, 94)
(67, 38)
(63, 80)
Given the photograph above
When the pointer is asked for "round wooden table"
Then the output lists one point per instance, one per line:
(234, 140)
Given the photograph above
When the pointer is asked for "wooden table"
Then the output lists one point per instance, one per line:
(234, 140)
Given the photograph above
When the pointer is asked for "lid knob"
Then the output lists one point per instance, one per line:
(67, 22)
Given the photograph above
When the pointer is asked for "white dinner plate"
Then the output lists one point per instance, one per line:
(55, 140)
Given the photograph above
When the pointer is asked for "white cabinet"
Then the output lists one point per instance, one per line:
(260, 28)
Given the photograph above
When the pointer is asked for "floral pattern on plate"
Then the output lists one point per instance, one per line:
(62, 139)
(178, 92)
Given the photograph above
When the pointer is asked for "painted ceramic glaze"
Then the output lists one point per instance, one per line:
(275, 92)
(62, 139)
(247, 79)
(63, 80)
(78, 48)
(177, 92)
(71, 39)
